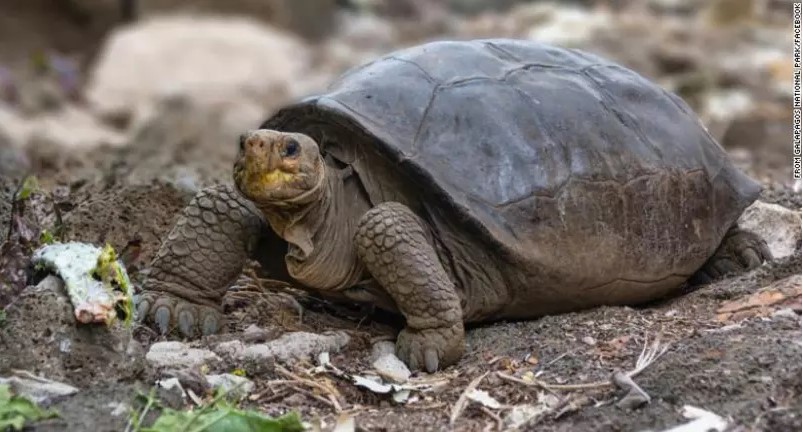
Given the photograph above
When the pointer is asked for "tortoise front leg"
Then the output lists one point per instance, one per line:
(202, 256)
(391, 244)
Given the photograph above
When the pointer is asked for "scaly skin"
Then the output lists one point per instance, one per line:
(739, 251)
(202, 256)
(391, 243)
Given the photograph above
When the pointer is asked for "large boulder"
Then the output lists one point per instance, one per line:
(312, 19)
(213, 61)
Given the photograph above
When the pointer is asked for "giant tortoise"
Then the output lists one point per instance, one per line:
(468, 181)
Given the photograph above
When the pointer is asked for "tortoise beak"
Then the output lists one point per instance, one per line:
(261, 165)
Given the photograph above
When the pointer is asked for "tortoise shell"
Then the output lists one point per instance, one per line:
(556, 156)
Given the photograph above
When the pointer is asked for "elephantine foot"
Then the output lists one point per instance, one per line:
(740, 251)
(431, 349)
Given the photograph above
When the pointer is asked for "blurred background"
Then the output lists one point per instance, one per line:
(85, 75)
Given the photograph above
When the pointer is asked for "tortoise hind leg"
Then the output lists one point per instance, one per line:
(739, 251)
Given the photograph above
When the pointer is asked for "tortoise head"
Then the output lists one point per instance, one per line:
(278, 168)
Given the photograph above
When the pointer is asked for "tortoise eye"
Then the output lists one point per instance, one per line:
(242, 142)
(291, 148)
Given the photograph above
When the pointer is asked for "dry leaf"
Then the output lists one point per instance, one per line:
(784, 293)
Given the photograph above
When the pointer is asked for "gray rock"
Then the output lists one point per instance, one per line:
(240, 386)
(381, 348)
(230, 349)
(778, 225)
(387, 365)
(254, 333)
(119, 409)
(296, 346)
(178, 355)
(41, 335)
(188, 379)
(38, 389)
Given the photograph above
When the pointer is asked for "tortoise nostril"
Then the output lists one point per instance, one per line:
(261, 144)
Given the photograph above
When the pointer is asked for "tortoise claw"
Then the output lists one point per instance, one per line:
(186, 323)
(162, 319)
(431, 360)
(167, 312)
(143, 305)
(211, 324)
(430, 349)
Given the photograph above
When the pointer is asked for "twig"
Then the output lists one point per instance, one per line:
(646, 358)
(461, 403)
(570, 404)
(332, 393)
(499, 423)
(14, 209)
(278, 395)
(761, 416)
(435, 405)
(136, 423)
(553, 361)
(635, 396)
(269, 388)
(321, 399)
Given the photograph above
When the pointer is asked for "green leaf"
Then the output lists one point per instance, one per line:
(224, 419)
(15, 411)
(46, 237)
(15, 423)
(29, 186)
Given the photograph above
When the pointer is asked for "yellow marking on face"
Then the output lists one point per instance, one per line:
(276, 176)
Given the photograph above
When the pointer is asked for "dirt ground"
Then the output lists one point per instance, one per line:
(745, 368)
(733, 347)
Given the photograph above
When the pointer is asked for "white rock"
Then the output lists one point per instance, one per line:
(565, 25)
(178, 355)
(726, 105)
(119, 408)
(387, 365)
(786, 313)
(345, 423)
(368, 32)
(296, 346)
(482, 397)
(38, 389)
(13, 127)
(381, 348)
(72, 128)
(701, 420)
(230, 382)
(778, 225)
(391, 368)
(521, 414)
(212, 60)
(231, 349)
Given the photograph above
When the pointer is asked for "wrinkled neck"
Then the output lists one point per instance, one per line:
(320, 234)
(296, 221)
